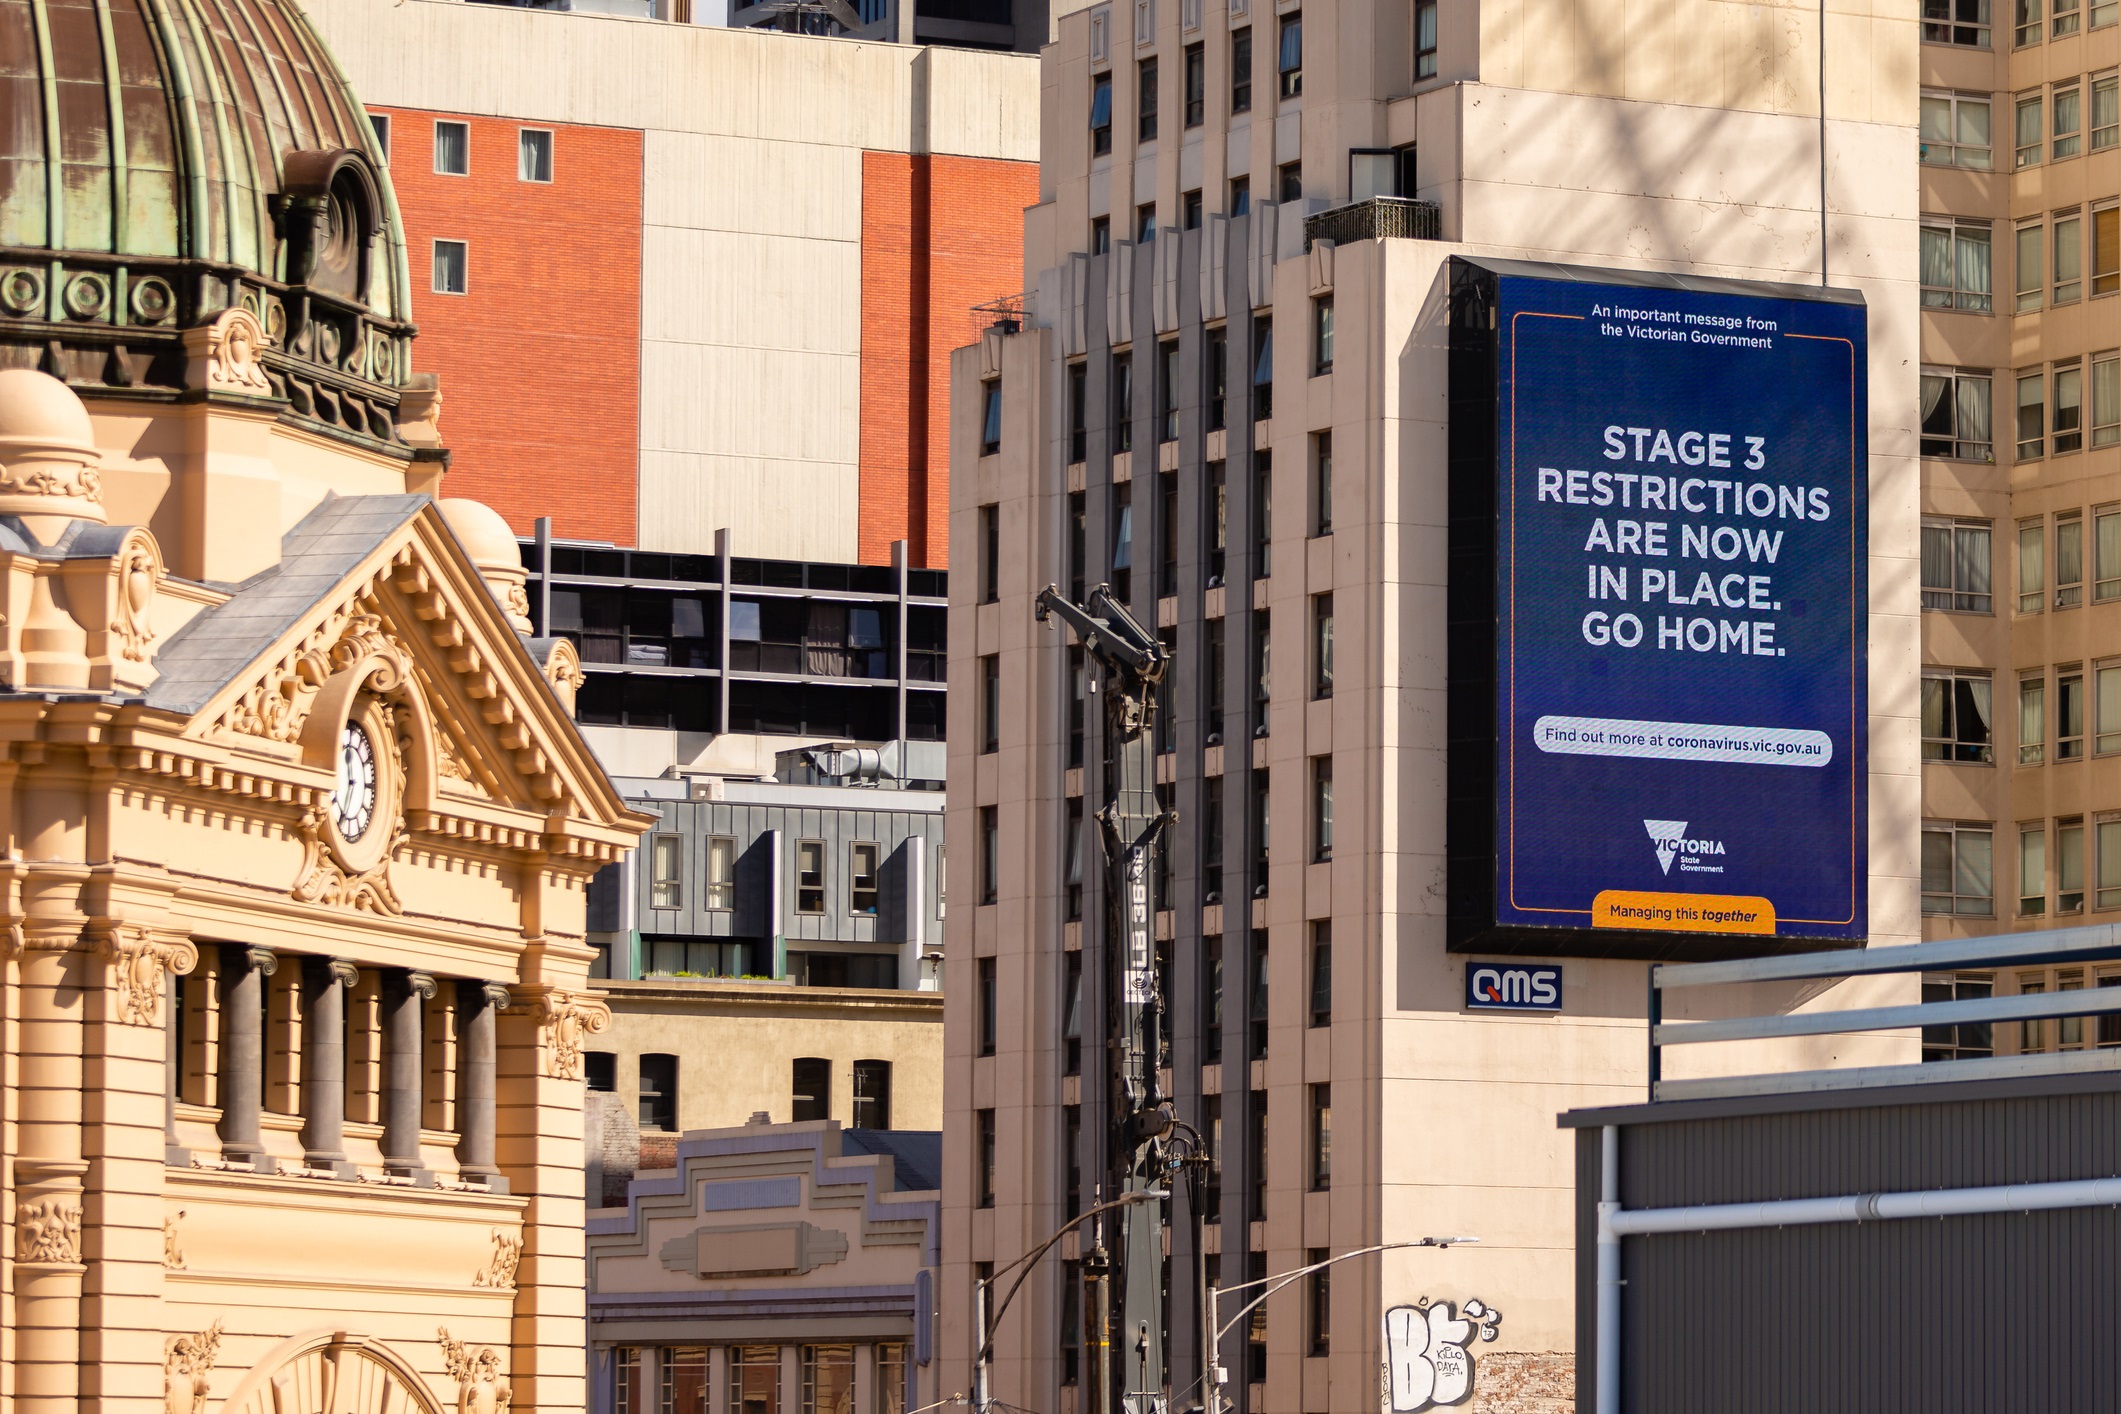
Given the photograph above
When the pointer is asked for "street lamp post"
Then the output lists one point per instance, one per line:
(1213, 1376)
(985, 1320)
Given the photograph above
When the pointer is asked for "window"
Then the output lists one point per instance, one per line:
(2105, 12)
(1189, 209)
(720, 889)
(1321, 645)
(453, 149)
(1145, 222)
(2069, 559)
(2031, 266)
(1262, 369)
(1167, 391)
(664, 890)
(1961, 1042)
(379, 124)
(1320, 1322)
(810, 877)
(2067, 114)
(2032, 415)
(684, 1379)
(1322, 335)
(1122, 559)
(1078, 411)
(2106, 553)
(983, 1158)
(2065, 17)
(828, 1379)
(1321, 1138)
(1166, 577)
(1321, 808)
(452, 262)
(2026, 20)
(1211, 1006)
(990, 855)
(1955, 565)
(2109, 838)
(2032, 1035)
(990, 422)
(2032, 871)
(1145, 116)
(659, 1092)
(2106, 103)
(755, 1379)
(1424, 39)
(2028, 132)
(1218, 546)
(1072, 859)
(1072, 1156)
(1958, 869)
(2069, 714)
(2069, 258)
(2106, 250)
(1218, 377)
(1322, 972)
(1955, 715)
(2032, 720)
(1955, 415)
(1289, 179)
(811, 1090)
(1100, 234)
(1240, 77)
(862, 877)
(990, 554)
(1196, 85)
(989, 1019)
(2032, 568)
(2069, 437)
(990, 704)
(1240, 196)
(600, 1071)
(1956, 22)
(2106, 401)
(2069, 866)
(1123, 402)
(1256, 1005)
(1100, 118)
(1262, 534)
(1291, 63)
(1955, 265)
(534, 155)
(872, 1094)
(1956, 130)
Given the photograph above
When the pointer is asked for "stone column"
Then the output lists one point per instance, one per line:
(324, 985)
(478, 1004)
(173, 1153)
(405, 996)
(243, 974)
(49, 1171)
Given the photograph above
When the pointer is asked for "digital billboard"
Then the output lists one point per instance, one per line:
(1659, 678)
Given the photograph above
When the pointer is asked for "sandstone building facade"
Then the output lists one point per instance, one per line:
(298, 826)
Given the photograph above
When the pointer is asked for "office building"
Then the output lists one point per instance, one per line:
(1228, 398)
(731, 265)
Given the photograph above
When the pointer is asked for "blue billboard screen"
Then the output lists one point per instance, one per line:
(1681, 604)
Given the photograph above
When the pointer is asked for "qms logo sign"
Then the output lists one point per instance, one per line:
(1495, 986)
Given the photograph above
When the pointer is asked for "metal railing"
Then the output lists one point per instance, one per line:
(1395, 217)
(2048, 947)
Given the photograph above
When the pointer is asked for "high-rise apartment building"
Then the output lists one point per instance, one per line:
(2021, 487)
(1228, 399)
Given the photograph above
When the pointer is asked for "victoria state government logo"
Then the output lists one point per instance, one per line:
(1669, 837)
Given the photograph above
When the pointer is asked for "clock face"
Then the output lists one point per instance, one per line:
(353, 795)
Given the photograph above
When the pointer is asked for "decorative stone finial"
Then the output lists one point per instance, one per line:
(48, 456)
(492, 547)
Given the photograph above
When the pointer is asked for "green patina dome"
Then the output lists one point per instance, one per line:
(165, 161)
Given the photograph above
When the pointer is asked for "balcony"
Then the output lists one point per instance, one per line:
(1397, 217)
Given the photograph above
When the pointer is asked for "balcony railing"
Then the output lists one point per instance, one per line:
(1391, 216)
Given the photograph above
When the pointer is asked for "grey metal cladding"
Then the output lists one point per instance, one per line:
(1997, 1313)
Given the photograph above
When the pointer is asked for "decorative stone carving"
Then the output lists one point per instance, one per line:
(140, 963)
(49, 464)
(563, 669)
(322, 879)
(48, 1230)
(222, 357)
(172, 1251)
(277, 706)
(500, 1270)
(481, 1387)
(565, 1018)
(139, 570)
(187, 1367)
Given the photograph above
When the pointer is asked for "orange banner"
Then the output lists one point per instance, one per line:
(1683, 913)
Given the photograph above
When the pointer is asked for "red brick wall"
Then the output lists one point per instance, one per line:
(540, 358)
(939, 235)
